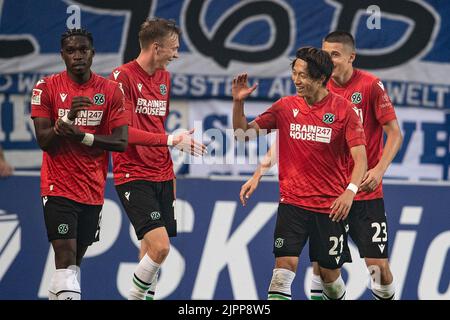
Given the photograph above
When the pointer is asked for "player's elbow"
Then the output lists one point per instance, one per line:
(43, 144)
(121, 145)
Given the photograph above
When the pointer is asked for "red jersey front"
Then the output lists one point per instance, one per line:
(70, 169)
(366, 92)
(314, 148)
(147, 104)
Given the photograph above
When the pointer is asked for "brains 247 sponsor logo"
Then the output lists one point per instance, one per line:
(310, 133)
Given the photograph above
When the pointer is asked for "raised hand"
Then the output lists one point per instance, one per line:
(78, 104)
(240, 89)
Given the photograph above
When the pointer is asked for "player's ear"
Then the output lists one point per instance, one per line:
(352, 57)
(93, 52)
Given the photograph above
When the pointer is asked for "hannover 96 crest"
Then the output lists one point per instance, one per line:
(163, 89)
(356, 97)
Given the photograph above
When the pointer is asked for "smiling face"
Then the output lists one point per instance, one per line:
(342, 56)
(306, 86)
(77, 53)
(166, 50)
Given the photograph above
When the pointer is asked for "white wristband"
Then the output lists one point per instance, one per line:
(352, 187)
(170, 140)
(88, 139)
(66, 119)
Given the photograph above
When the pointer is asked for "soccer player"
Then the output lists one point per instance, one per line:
(77, 116)
(144, 176)
(367, 218)
(318, 133)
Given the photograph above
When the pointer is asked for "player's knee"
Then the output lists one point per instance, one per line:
(160, 250)
(65, 258)
(329, 275)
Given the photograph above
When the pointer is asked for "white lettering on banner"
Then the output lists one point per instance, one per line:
(111, 224)
(310, 133)
(151, 107)
(224, 250)
(26, 83)
(417, 95)
(433, 269)
(23, 128)
(202, 85)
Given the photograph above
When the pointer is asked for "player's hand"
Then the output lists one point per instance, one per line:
(78, 104)
(5, 169)
(184, 142)
(69, 131)
(247, 189)
(371, 180)
(341, 206)
(240, 89)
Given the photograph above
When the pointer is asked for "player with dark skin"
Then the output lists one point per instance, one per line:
(77, 53)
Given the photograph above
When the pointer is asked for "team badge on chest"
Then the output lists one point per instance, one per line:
(356, 97)
(328, 118)
(163, 89)
(99, 99)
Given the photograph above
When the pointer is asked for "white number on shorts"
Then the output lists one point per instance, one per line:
(336, 242)
(378, 226)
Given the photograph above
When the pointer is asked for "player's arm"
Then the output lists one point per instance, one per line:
(45, 133)
(250, 186)
(116, 141)
(240, 91)
(41, 114)
(394, 141)
(341, 206)
(182, 141)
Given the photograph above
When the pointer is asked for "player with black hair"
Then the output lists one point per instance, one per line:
(78, 116)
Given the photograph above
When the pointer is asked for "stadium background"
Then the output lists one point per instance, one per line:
(224, 250)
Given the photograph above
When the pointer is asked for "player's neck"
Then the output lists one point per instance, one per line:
(343, 78)
(316, 97)
(80, 79)
(146, 63)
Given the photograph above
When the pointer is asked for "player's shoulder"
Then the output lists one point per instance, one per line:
(366, 77)
(286, 100)
(123, 71)
(340, 104)
(162, 74)
(337, 99)
(105, 82)
(49, 80)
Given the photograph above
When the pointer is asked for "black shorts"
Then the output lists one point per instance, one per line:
(68, 219)
(327, 239)
(149, 205)
(368, 228)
